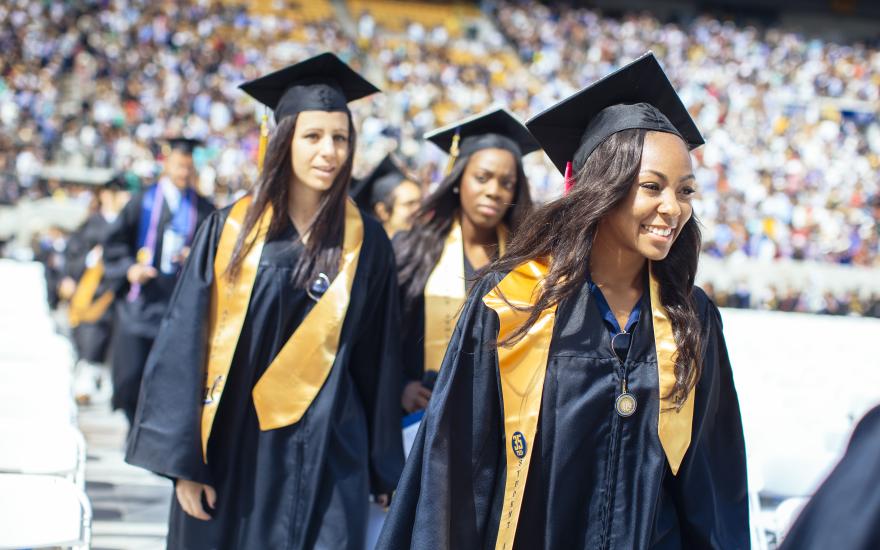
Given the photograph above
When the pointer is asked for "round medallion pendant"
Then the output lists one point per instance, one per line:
(626, 404)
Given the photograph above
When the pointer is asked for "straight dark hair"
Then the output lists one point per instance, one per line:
(322, 250)
(564, 230)
(419, 249)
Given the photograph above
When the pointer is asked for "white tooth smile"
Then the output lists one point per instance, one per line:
(661, 231)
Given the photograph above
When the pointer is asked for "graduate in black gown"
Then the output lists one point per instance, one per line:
(844, 513)
(91, 294)
(586, 399)
(143, 254)
(391, 195)
(460, 228)
(271, 394)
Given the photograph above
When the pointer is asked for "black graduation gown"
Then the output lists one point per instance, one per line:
(413, 331)
(845, 511)
(302, 486)
(137, 322)
(91, 340)
(596, 480)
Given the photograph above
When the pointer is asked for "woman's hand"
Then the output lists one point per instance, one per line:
(189, 495)
(383, 500)
(139, 274)
(415, 397)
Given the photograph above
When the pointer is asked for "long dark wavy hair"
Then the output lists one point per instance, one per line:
(564, 230)
(322, 250)
(419, 249)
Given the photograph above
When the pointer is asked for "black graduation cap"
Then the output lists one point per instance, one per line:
(638, 95)
(495, 128)
(320, 83)
(378, 184)
(117, 182)
(183, 144)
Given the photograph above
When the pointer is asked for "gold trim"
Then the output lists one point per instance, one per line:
(521, 368)
(286, 390)
(674, 425)
(229, 304)
(84, 308)
(445, 294)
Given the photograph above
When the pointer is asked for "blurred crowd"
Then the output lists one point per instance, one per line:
(790, 168)
(99, 83)
(807, 300)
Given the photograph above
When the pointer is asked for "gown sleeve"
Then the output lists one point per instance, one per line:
(845, 510)
(375, 367)
(119, 244)
(76, 252)
(449, 482)
(166, 434)
(711, 490)
(413, 342)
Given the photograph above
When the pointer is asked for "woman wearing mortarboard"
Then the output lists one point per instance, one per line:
(144, 252)
(586, 399)
(388, 193)
(461, 227)
(271, 393)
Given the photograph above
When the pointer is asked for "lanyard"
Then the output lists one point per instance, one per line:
(626, 403)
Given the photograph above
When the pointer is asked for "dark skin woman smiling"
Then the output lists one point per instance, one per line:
(586, 399)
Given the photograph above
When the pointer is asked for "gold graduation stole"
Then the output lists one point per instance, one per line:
(293, 379)
(445, 293)
(522, 368)
(84, 308)
(229, 303)
(290, 383)
(674, 425)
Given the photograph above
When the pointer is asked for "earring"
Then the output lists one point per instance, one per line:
(455, 190)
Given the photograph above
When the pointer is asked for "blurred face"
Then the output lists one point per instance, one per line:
(651, 217)
(105, 197)
(180, 169)
(487, 187)
(319, 148)
(407, 197)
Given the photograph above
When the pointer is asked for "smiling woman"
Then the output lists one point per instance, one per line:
(270, 396)
(586, 399)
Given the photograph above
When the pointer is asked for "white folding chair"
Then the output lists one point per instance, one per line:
(757, 517)
(31, 406)
(39, 511)
(54, 348)
(44, 449)
(785, 514)
(54, 377)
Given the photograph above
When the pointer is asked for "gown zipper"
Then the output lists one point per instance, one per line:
(611, 470)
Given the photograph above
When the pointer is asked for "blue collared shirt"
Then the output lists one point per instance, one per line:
(621, 345)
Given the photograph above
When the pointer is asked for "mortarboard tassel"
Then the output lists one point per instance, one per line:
(569, 177)
(453, 151)
(264, 140)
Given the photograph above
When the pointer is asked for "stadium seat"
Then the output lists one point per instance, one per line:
(43, 448)
(395, 15)
(785, 514)
(41, 380)
(54, 348)
(39, 511)
(29, 405)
